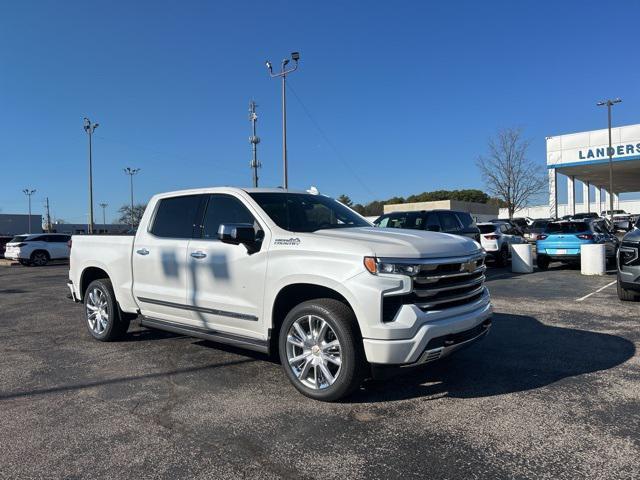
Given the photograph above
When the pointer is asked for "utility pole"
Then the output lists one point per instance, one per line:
(609, 103)
(90, 128)
(28, 193)
(48, 217)
(104, 216)
(131, 172)
(295, 56)
(254, 140)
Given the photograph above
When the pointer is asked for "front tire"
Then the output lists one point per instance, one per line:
(321, 350)
(502, 259)
(105, 321)
(626, 295)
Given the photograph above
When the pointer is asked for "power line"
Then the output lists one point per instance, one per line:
(326, 139)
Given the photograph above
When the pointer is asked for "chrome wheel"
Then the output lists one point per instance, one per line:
(313, 352)
(97, 311)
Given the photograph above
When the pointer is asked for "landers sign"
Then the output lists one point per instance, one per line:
(603, 152)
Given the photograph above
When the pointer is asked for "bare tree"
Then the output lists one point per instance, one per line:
(508, 173)
(125, 214)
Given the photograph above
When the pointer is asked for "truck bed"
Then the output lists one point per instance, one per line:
(111, 253)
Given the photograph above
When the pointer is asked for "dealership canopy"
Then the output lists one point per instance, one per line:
(584, 156)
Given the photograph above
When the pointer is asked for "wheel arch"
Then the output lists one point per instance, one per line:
(296, 293)
(88, 275)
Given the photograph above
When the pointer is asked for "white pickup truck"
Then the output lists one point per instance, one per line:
(292, 273)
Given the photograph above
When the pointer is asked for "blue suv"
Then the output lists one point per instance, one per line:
(561, 241)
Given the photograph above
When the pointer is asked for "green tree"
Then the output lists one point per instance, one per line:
(345, 200)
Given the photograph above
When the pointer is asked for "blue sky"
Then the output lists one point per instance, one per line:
(406, 93)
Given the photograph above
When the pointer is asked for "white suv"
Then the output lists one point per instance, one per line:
(497, 238)
(38, 249)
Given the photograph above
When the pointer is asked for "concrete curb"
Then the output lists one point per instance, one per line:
(7, 263)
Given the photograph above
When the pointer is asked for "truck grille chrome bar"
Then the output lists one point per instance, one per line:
(445, 283)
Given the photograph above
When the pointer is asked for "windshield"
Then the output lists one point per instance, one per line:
(487, 228)
(567, 227)
(304, 212)
(18, 239)
(540, 224)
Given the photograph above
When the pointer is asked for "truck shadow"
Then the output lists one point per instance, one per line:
(519, 354)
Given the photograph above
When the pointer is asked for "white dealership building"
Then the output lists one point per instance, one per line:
(583, 158)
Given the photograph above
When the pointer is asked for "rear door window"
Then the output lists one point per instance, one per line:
(175, 217)
(487, 228)
(449, 222)
(432, 222)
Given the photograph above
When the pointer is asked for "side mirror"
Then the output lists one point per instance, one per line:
(238, 233)
(433, 228)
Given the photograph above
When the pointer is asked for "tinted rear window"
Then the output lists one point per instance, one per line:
(567, 227)
(487, 228)
(176, 216)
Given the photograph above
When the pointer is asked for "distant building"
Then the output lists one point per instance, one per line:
(81, 228)
(15, 223)
(481, 212)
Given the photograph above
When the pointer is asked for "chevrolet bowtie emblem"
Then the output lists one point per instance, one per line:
(468, 266)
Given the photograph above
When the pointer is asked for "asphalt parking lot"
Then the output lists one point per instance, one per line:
(552, 392)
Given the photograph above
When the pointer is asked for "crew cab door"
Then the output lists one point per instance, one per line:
(225, 286)
(159, 262)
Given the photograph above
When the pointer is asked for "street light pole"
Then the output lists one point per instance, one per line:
(90, 128)
(609, 103)
(28, 193)
(295, 56)
(131, 172)
(104, 216)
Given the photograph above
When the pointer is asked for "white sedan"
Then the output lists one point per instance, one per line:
(497, 238)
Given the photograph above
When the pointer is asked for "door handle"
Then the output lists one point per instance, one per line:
(198, 254)
(142, 251)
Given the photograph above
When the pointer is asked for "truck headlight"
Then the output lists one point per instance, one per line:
(375, 266)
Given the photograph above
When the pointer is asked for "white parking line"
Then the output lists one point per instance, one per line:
(597, 291)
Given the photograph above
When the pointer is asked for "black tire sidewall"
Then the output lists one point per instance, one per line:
(46, 256)
(543, 262)
(340, 318)
(116, 326)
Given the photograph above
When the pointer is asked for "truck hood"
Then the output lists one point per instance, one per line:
(632, 236)
(403, 243)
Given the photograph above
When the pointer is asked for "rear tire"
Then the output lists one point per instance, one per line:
(502, 259)
(104, 319)
(626, 295)
(39, 258)
(321, 350)
(543, 262)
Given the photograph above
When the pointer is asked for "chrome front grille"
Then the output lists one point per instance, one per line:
(438, 284)
(445, 285)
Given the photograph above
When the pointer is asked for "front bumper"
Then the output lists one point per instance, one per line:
(433, 339)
